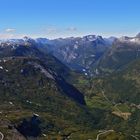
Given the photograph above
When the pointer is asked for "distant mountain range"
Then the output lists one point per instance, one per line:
(88, 54)
(77, 53)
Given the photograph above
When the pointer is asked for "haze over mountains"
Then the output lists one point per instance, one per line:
(67, 70)
(76, 88)
(79, 53)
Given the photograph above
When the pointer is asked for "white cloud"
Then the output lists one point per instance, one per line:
(8, 33)
(6, 36)
(71, 29)
(9, 30)
(51, 30)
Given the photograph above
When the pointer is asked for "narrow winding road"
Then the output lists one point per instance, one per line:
(97, 138)
(102, 133)
(106, 97)
(2, 136)
(135, 137)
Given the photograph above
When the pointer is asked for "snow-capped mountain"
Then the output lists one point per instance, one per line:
(126, 39)
(76, 52)
(124, 50)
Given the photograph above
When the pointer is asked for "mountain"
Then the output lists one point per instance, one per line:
(78, 53)
(44, 98)
(54, 65)
(31, 82)
(42, 40)
(123, 51)
(123, 86)
(118, 96)
(28, 86)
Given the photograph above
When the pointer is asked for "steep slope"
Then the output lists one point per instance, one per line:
(123, 51)
(122, 86)
(28, 86)
(28, 48)
(68, 89)
(119, 95)
(78, 53)
(31, 82)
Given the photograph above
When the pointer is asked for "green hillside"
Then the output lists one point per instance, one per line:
(118, 56)
(27, 87)
(118, 96)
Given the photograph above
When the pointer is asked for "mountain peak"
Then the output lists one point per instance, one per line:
(138, 35)
(26, 38)
(92, 37)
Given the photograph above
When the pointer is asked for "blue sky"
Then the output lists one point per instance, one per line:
(64, 18)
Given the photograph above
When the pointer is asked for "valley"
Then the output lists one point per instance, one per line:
(47, 94)
(69, 70)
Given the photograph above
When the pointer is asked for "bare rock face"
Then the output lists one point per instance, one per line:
(9, 132)
(15, 135)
